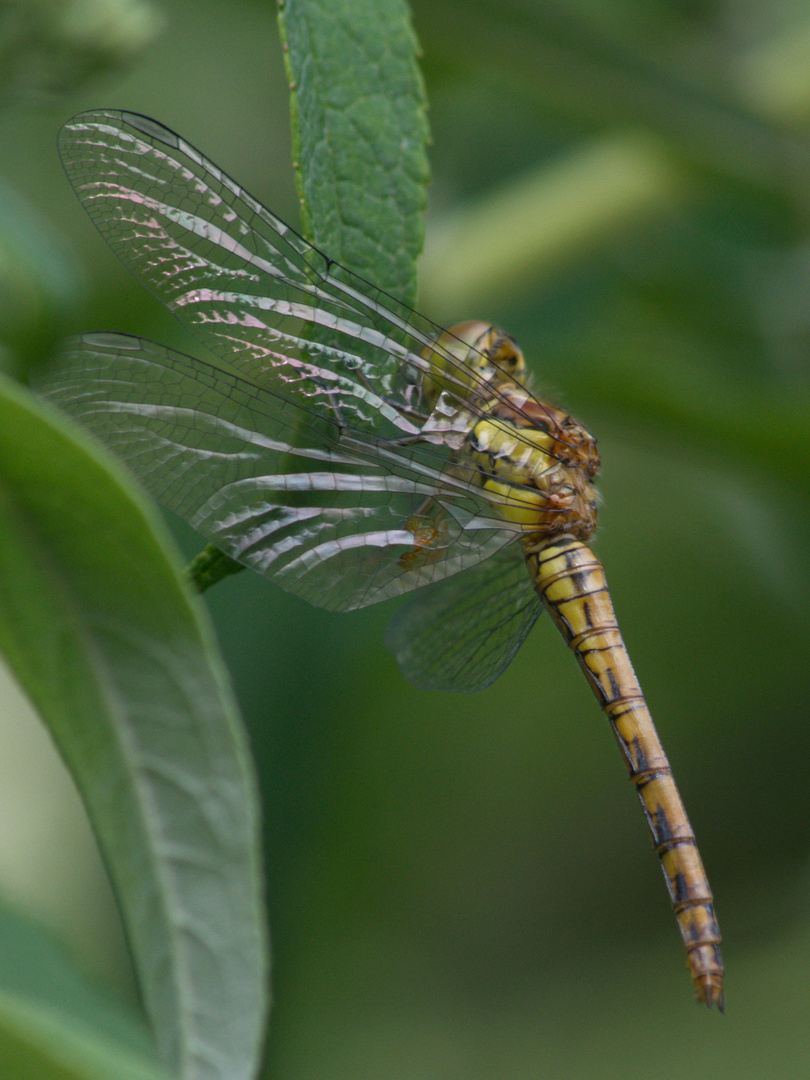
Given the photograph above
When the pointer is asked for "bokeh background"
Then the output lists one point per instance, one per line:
(463, 886)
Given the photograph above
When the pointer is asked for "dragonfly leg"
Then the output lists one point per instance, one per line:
(429, 532)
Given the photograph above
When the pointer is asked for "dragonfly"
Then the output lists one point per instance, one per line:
(351, 450)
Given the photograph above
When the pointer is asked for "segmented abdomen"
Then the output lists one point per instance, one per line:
(571, 582)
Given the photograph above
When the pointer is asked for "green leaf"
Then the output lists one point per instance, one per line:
(39, 1043)
(359, 134)
(122, 666)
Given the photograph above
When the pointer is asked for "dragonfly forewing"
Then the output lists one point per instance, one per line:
(244, 283)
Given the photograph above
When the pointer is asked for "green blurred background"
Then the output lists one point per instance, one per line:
(463, 887)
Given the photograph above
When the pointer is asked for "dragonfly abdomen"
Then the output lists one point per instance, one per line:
(571, 582)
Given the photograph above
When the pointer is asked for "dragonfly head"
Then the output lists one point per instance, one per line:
(471, 355)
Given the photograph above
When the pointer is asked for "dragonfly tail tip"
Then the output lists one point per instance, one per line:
(709, 992)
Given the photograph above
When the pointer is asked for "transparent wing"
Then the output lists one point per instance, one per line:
(245, 284)
(462, 633)
(306, 451)
(284, 491)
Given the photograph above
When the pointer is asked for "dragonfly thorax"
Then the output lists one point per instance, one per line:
(535, 464)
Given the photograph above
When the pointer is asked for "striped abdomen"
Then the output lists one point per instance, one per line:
(571, 582)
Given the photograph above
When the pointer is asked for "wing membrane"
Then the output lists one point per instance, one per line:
(246, 285)
(306, 451)
(462, 633)
(238, 277)
(264, 481)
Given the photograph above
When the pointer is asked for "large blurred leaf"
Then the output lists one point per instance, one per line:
(99, 631)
